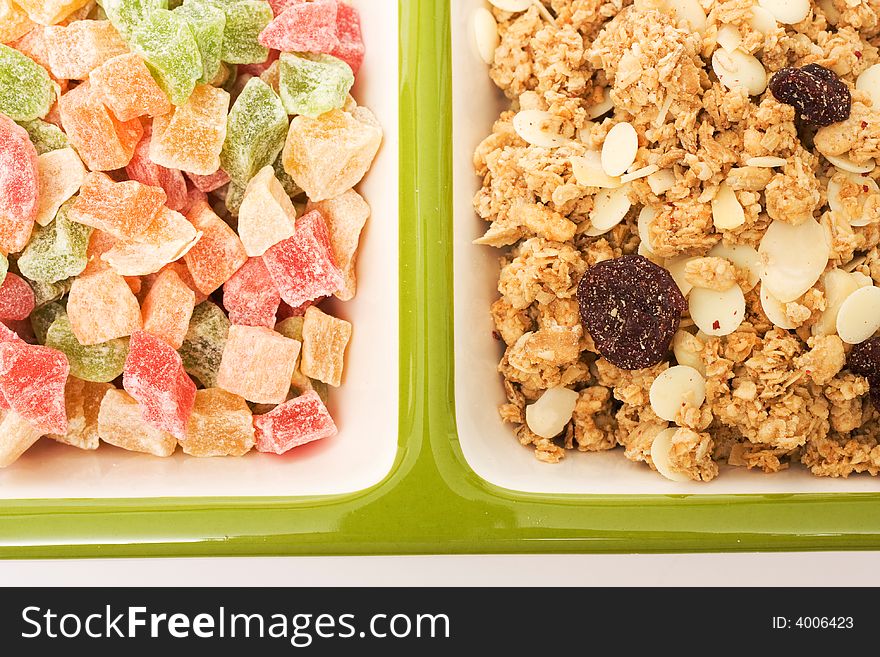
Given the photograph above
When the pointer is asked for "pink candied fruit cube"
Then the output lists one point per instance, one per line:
(19, 186)
(145, 171)
(279, 6)
(32, 379)
(296, 422)
(155, 377)
(303, 266)
(250, 296)
(351, 48)
(303, 27)
(16, 298)
(209, 183)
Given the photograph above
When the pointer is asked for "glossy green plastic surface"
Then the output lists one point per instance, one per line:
(432, 502)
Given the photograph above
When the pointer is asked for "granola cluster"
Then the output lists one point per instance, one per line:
(717, 164)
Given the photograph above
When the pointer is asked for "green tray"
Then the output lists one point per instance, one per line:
(432, 502)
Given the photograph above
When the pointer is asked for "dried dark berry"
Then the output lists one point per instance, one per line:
(631, 308)
(818, 95)
(864, 360)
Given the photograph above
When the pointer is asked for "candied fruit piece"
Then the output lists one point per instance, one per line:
(258, 364)
(346, 216)
(245, 19)
(313, 84)
(816, 93)
(16, 298)
(221, 424)
(328, 155)
(120, 424)
(102, 307)
(202, 348)
(632, 309)
(45, 137)
(26, 91)
(324, 341)
(266, 215)
(280, 5)
(14, 23)
(75, 50)
(255, 132)
(302, 266)
(128, 89)
(99, 363)
(154, 376)
(145, 171)
(103, 142)
(32, 380)
(125, 210)
(209, 183)
(190, 138)
(16, 436)
(128, 14)
(50, 12)
(19, 185)
(82, 401)
(218, 254)
(167, 239)
(168, 308)
(57, 251)
(207, 23)
(294, 423)
(351, 42)
(43, 317)
(61, 173)
(250, 296)
(304, 27)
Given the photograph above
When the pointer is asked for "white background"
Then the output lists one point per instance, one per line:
(768, 569)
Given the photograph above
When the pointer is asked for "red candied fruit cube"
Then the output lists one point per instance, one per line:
(303, 266)
(279, 6)
(303, 27)
(250, 296)
(296, 422)
(19, 186)
(351, 48)
(16, 298)
(32, 379)
(145, 171)
(155, 377)
(209, 183)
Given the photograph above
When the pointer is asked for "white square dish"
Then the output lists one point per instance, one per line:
(489, 445)
(365, 407)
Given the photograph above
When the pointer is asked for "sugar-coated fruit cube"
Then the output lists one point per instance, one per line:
(50, 12)
(47, 292)
(16, 436)
(210, 182)
(32, 380)
(202, 349)
(16, 298)
(120, 424)
(19, 185)
(45, 136)
(280, 5)
(99, 363)
(304, 27)
(207, 23)
(57, 251)
(75, 50)
(346, 216)
(60, 173)
(250, 296)
(83, 402)
(102, 307)
(154, 375)
(266, 215)
(329, 155)
(294, 423)
(221, 424)
(128, 14)
(258, 364)
(167, 44)
(255, 132)
(218, 254)
(14, 23)
(167, 239)
(351, 48)
(190, 138)
(42, 318)
(312, 84)
(167, 308)
(26, 91)
(128, 89)
(125, 210)
(179, 267)
(103, 142)
(245, 19)
(324, 341)
(145, 171)
(303, 266)
(99, 243)
(290, 187)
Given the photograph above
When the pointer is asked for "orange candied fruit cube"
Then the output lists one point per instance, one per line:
(218, 255)
(168, 307)
(128, 89)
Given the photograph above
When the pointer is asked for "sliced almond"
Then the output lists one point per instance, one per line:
(588, 172)
(832, 15)
(762, 20)
(687, 349)
(676, 266)
(486, 34)
(609, 208)
(845, 164)
(859, 315)
(766, 162)
(661, 181)
(788, 12)
(729, 38)
(743, 256)
(548, 416)
(619, 149)
(646, 216)
(838, 284)
(660, 448)
(775, 310)
(869, 82)
(676, 388)
(861, 279)
(513, 6)
(689, 11)
(643, 172)
(867, 186)
(727, 213)
(717, 313)
(602, 107)
(793, 257)
(539, 128)
(739, 69)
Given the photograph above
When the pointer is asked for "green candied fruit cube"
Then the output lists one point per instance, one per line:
(99, 363)
(167, 44)
(292, 328)
(202, 348)
(48, 292)
(290, 187)
(43, 317)
(255, 131)
(56, 251)
(45, 136)
(207, 23)
(126, 15)
(234, 198)
(312, 84)
(245, 19)
(26, 90)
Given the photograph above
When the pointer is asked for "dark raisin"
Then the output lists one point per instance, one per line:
(864, 360)
(632, 309)
(816, 93)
